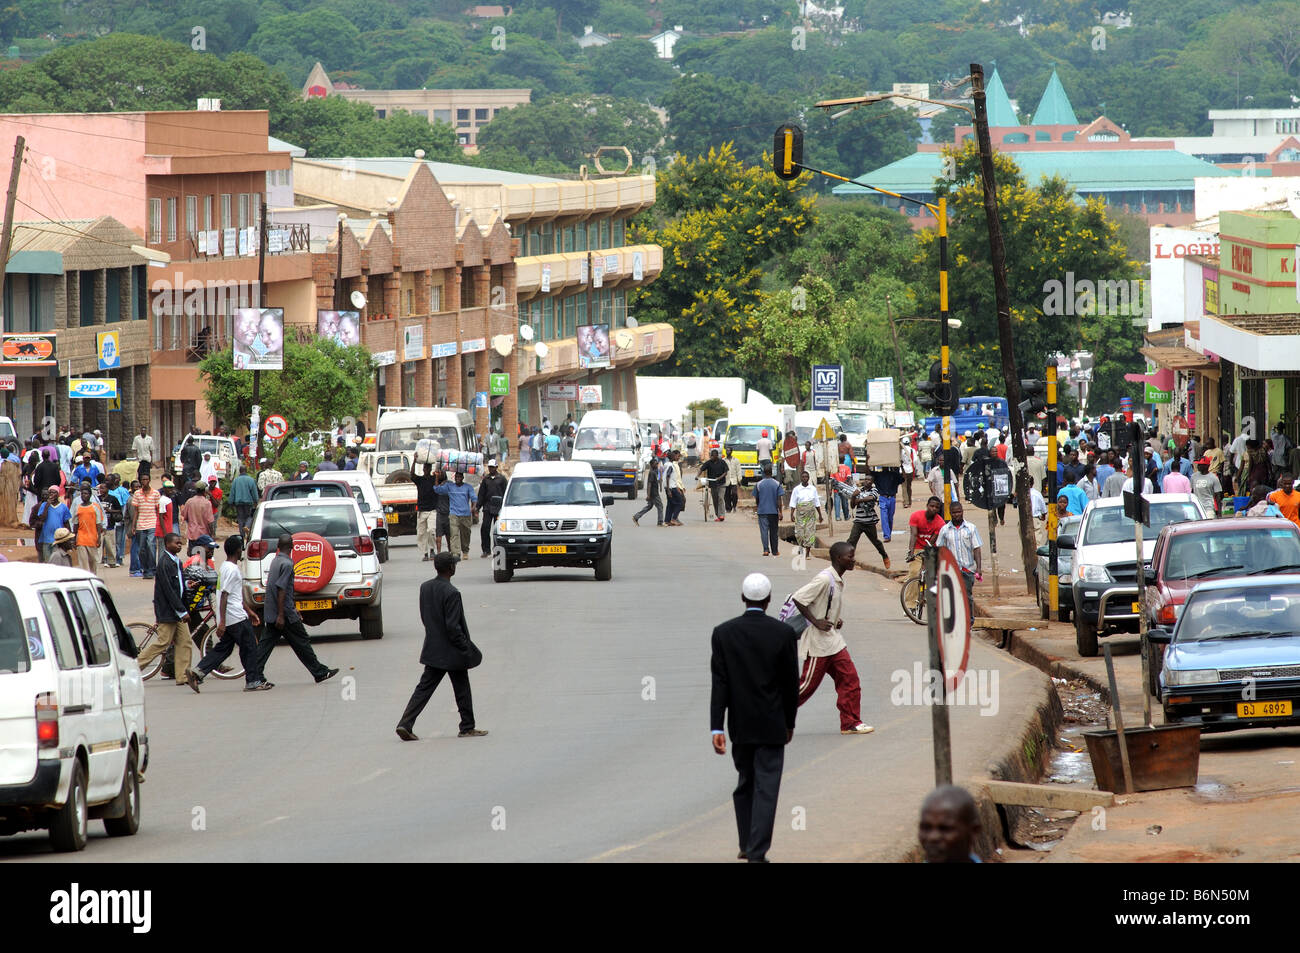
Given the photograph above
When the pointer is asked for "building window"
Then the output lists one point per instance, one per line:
(568, 238)
(442, 115)
(381, 113)
(225, 210)
(191, 214)
(535, 317)
(580, 311)
(171, 220)
(113, 295)
(570, 316)
(548, 238)
(620, 232)
(593, 236)
(462, 115)
(580, 237)
(604, 233)
(155, 221)
(87, 297)
(548, 319)
(158, 331)
(139, 292)
(480, 115)
(243, 209)
(620, 309)
(207, 213)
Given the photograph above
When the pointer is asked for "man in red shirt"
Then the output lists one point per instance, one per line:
(923, 529)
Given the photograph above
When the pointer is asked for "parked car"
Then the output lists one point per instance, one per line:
(339, 484)
(552, 514)
(1233, 658)
(73, 740)
(1187, 554)
(1104, 575)
(354, 590)
(1066, 531)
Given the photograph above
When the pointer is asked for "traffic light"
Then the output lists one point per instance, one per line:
(1035, 394)
(936, 396)
(787, 151)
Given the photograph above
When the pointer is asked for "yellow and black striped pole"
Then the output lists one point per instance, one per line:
(1053, 593)
(945, 377)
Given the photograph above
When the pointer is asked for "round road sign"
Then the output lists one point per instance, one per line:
(313, 562)
(954, 619)
(275, 426)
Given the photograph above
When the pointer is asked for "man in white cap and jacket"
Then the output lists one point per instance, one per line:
(756, 693)
(492, 485)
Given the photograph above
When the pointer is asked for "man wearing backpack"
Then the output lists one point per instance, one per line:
(822, 648)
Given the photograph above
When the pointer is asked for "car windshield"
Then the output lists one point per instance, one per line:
(746, 437)
(603, 438)
(332, 522)
(1239, 550)
(306, 490)
(405, 438)
(16, 646)
(1240, 612)
(1110, 525)
(540, 490)
(860, 423)
(7, 429)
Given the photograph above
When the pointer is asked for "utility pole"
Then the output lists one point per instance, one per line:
(338, 270)
(255, 421)
(7, 238)
(898, 354)
(1006, 342)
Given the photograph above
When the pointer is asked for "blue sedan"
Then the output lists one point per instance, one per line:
(1233, 659)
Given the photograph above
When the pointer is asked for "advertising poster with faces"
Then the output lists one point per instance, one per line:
(341, 327)
(259, 339)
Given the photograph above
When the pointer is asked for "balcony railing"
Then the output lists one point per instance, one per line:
(280, 240)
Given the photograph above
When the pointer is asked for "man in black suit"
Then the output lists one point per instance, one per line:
(447, 650)
(171, 614)
(755, 680)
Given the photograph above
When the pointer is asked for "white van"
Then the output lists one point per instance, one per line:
(610, 442)
(401, 428)
(73, 743)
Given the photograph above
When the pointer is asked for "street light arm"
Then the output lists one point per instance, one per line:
(841, 178)
(855, 101)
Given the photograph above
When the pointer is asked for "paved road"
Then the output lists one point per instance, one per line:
(596, 696)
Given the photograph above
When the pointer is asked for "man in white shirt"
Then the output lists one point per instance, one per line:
(142, 449)
(235, 621)
(821, 644)
(963, 540)
(763, 448)
(673, 488)
(1038, 509)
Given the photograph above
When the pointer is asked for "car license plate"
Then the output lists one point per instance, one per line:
(391, 517)
(307, 605)
(1263, 709)
(1136, 608)
(551, 550)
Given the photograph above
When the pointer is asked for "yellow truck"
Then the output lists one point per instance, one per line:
(742, 436)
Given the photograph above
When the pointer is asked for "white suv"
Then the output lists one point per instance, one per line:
(73, 742)
(553, 514)
(353, 590)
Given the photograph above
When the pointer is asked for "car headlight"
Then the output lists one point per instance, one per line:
(591, 526)
(1093, 573)
(510, 526)
(1191, 676)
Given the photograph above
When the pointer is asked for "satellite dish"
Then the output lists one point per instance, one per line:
(526, 332)
(632, 322)
(358, 300)
(419, 153)
(624, 339)
(502, 344)
(542, 349)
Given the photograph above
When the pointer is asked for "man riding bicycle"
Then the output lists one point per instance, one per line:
(923, 529)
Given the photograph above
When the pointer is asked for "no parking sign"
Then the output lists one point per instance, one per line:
(275, 427)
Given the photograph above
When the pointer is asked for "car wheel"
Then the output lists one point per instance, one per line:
(605, 567)
(372, 623)
(504, 575)
(1066, 612)
(1044, 610)
(1085, 637)
(129, 799)
(1155, 657)
(68, 831)
(631, 492)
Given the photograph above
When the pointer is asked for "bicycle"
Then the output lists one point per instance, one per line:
(705, 484)
(203, 631)
(912, 595)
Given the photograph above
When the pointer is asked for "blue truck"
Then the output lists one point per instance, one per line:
(973, 413)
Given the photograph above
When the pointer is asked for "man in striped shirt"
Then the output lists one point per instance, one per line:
(145, 500)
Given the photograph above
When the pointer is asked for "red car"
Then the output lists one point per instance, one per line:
(1189, 553)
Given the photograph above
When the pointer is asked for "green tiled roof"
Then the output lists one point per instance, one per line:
(999, 103)
(1091, 170)
(1054, 108)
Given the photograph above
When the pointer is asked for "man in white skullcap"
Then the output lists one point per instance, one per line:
(756, 692)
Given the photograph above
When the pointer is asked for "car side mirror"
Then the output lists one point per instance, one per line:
(1066, 542)
(606, 501)
(365, 507)
(1149, 575)
(1159, 636)
(1044, 551)
(497, 501)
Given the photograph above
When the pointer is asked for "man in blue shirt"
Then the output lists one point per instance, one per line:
(86, 472)
(552, 440)
(462, 509)
(1104, 469)
(245, 496)
(52, 515)
(768, 493)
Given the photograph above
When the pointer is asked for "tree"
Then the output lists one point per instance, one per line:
(625, 19)
(321, 382)
(334, 126)
(627, 69)
(568, 129)
(706, 412)
(704, 112)
(866, 139)
(719, 223)
(796, 328)
(293, 42)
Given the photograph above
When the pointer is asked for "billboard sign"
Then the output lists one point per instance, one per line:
(341, 327)
(593, 346)
(259, 339)
(827, 385)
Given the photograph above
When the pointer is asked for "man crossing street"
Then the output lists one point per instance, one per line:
(492, 485)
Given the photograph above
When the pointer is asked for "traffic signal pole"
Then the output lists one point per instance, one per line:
(1053, 593)
(945, 375)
